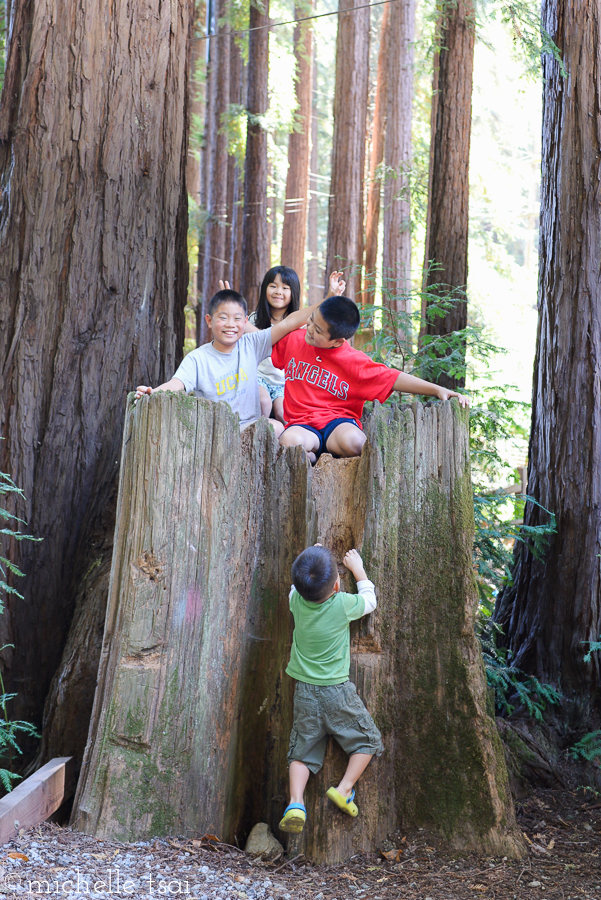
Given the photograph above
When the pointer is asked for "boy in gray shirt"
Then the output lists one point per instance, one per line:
(226, 369)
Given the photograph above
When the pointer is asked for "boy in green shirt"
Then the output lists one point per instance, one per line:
(325, 701)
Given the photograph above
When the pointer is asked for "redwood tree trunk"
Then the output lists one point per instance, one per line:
(93, 281)
(196, 98)
(314, 271)
(294, 232)
(234, 179)
(345, 224)
(255, 233)
(445, 266)
(554, 605)
(205, 153)
(396, 250)
(376, 159)
(216, 243)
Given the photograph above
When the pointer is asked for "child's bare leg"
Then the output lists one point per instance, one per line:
(295, 436)
(278, 409)
(265, 401)
(298, 775)
(357, 764)
(277, 426)
(346, 440)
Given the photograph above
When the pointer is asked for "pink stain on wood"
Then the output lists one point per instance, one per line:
(193, 605)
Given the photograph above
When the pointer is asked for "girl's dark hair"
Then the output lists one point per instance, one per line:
(314, 573)
(289, 277)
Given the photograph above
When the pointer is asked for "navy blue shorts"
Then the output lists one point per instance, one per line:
(322, 433)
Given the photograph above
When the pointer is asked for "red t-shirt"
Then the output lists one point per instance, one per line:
(322, 385)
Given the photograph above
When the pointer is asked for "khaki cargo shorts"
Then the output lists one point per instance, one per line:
(337, 709)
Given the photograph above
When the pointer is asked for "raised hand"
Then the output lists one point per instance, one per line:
(337, 284)
(354, 564)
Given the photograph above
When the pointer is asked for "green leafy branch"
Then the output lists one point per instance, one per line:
(522, 18)
(10, 730)
(588, 748)
(8, 734)
(7, 486)
(512, 686)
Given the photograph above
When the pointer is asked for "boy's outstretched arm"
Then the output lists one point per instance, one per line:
(409, 384)
(292, 322)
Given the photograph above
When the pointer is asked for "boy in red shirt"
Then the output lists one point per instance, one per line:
(328, 381)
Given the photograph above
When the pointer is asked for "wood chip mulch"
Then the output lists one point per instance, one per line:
(562, 830)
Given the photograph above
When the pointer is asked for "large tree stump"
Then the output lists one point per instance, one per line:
(193, 709)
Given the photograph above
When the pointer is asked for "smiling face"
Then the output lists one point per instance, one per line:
(318, 333)
(227, 325)
(278, 297)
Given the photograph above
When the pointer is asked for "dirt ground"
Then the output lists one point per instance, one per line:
(562, 830)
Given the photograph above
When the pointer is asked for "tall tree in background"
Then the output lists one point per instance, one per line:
(234, 172)
(255, 235)
(196, 100)
(553, 605)
(396, 250)
(376, 159)
(216, 241)
(314, 271)
(93, 283)
(294, 231)
(205, 153)
(345, 223)
(445, 267)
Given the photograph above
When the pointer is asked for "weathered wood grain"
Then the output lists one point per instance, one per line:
(193, 709)
(36, 798)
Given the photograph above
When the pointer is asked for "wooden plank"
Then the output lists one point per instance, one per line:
(36, 798)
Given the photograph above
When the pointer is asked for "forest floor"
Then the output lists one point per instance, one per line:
(562, 830)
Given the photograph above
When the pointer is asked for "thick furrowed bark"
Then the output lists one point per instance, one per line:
(92, 292)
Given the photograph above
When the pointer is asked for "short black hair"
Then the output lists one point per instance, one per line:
(341, 316)
(226, 296)
(314, 573)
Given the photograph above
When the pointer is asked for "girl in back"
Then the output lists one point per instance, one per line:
(279, 296)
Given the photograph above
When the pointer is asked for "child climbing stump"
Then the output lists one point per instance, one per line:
(192, 714)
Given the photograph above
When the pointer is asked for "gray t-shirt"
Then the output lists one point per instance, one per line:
(266, 369)
(231, 377)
